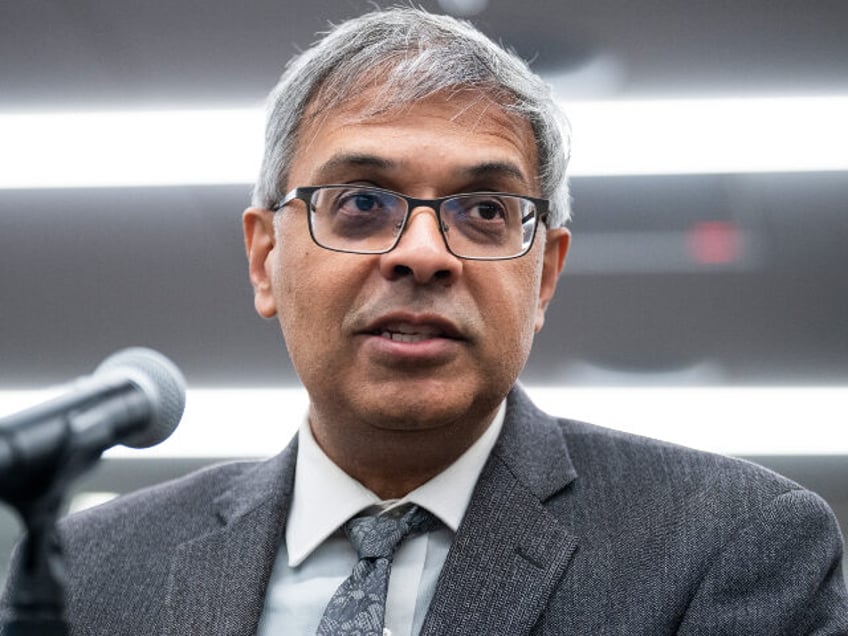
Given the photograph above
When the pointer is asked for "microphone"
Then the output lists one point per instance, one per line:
(135, 397)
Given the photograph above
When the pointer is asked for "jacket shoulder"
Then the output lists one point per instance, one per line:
(617, 455)
(716, 544)
(188, 498)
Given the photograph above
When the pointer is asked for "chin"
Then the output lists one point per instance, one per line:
(415, 414)
(427, 407)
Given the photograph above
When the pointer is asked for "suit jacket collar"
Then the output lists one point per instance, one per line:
(510, 552)
(507, 544)
(263, 484)
(218, 580)
(532, 445)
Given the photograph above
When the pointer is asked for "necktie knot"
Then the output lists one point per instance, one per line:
(378, 536)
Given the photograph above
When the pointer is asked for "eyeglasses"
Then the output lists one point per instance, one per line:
(484, 226)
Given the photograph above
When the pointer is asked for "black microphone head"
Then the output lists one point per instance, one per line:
(162, 383)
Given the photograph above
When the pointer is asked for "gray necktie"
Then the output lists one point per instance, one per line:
(359, 605)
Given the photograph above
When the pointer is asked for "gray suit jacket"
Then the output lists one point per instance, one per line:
(572, 529)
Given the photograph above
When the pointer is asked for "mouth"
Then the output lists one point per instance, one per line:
(408, 333)
(415, 330)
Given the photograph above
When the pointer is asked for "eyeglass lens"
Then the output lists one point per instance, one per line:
(370, 220)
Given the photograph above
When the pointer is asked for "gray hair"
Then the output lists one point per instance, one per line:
(411, 54)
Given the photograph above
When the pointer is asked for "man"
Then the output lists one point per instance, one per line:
(407, 232)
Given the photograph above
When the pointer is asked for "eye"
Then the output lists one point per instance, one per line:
(483, 208)
(360, 201)
(488, 210)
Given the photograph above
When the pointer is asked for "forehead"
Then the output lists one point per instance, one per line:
(459, 130)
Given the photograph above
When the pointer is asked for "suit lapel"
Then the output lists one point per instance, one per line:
(509, 552)
(217, 581)
(505, 560)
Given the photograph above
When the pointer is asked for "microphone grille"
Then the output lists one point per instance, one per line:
(163, 379)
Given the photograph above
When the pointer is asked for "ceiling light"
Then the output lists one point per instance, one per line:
(464, 8)
(708, 136)
(133, 148)
(730, 420)
(648, 137)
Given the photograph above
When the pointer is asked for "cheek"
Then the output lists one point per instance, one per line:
(296, 263)
(511, 310)
(297, 298)
(314, 292)
(532, 279)
(526, 323)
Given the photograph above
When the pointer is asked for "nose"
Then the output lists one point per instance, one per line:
(421, 252)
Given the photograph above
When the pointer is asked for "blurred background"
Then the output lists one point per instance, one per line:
(705, 300)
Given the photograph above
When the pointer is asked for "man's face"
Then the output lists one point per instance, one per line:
(416, 338)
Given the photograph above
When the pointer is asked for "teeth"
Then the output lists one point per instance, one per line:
(405, 337)
(407, 332)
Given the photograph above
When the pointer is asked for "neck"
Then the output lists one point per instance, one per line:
(392, 462)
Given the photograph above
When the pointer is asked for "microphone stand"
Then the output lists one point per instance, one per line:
(38, 594)
(37, 591)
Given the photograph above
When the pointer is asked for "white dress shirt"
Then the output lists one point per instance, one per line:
(316, 556)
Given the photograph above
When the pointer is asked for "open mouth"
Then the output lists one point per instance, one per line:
(409, 332)
(400, 336)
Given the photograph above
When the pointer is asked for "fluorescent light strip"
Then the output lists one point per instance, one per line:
(186, 147)
(730, 420)
(124, 149)
(690, 136)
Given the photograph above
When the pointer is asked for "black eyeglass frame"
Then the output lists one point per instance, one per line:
(305, 193)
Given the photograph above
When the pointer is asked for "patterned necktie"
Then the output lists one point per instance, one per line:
(359, 605)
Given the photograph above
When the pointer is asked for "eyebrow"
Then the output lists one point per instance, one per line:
(496, 169)
(350, 160)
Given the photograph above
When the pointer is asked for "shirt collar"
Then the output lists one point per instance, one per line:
(325, 496)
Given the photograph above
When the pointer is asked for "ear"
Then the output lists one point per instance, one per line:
(557, 241)
(259, 243)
